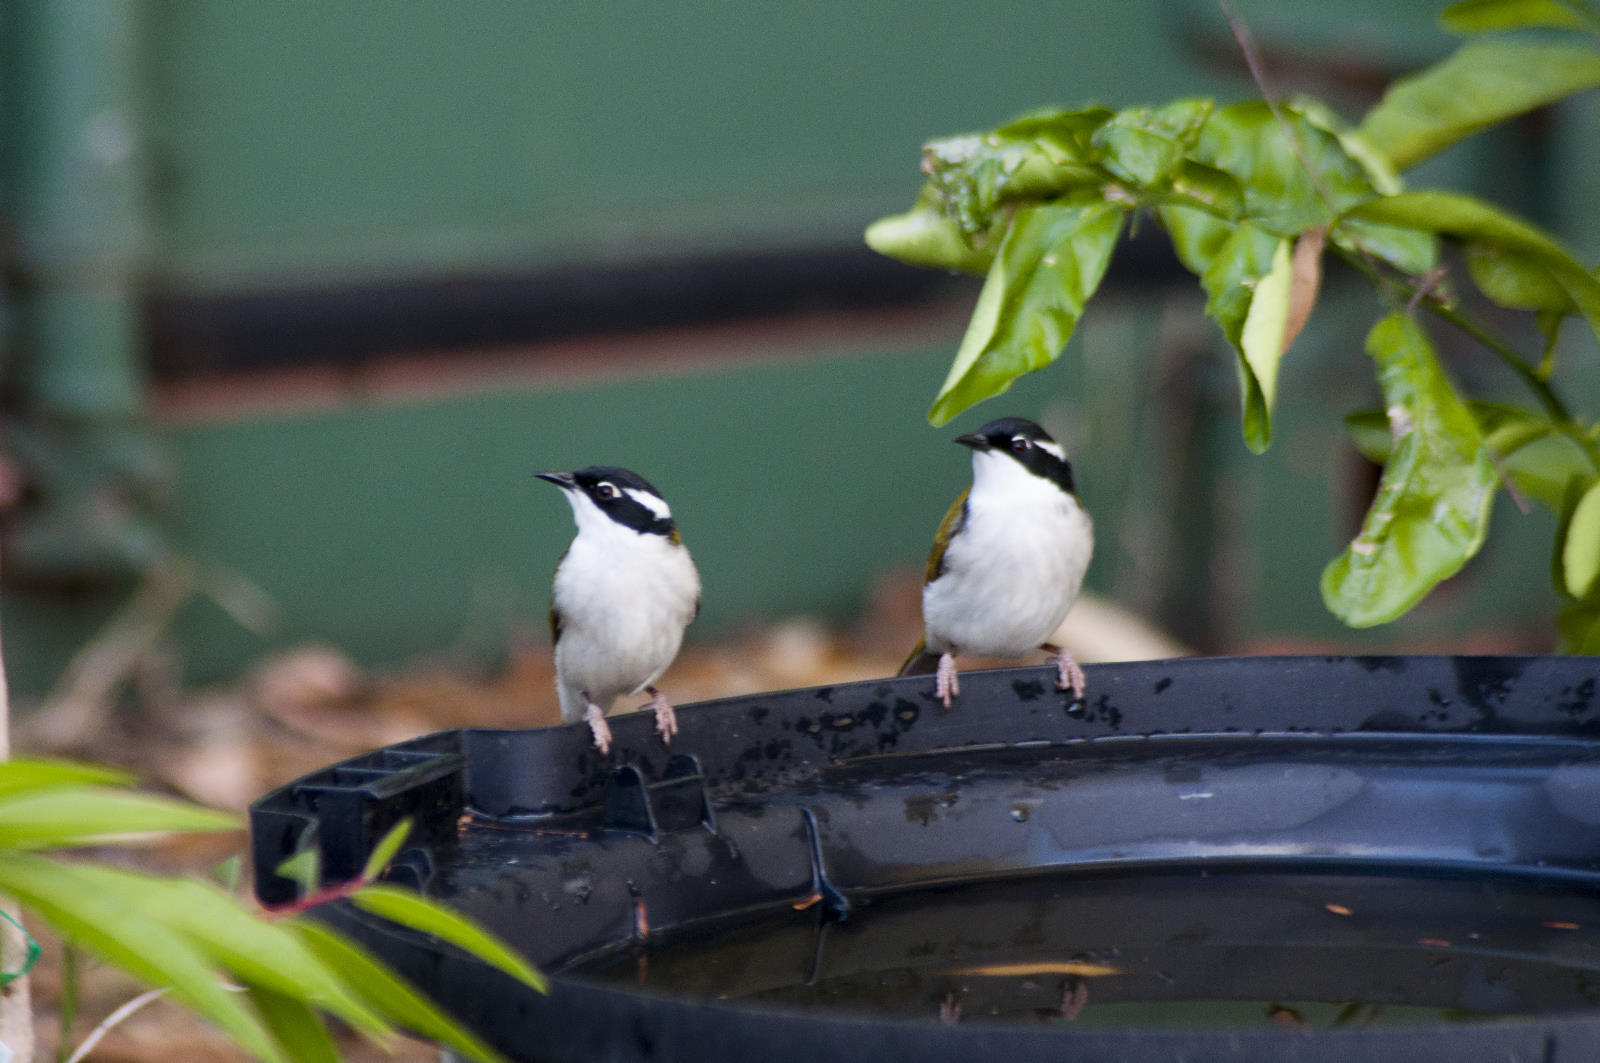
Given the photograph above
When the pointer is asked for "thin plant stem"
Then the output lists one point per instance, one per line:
(110, 1022)
(69, 1001)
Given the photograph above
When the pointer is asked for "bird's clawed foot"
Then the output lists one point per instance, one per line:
(946, 685)
(597, 724)
(1069, 676)
(666, 719)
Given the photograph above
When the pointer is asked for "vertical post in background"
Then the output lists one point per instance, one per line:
(80, 234)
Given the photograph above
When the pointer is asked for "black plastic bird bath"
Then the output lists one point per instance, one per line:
(1269, 859)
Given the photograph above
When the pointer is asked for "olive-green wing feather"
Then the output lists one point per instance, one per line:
(953, 519)
(921, 661)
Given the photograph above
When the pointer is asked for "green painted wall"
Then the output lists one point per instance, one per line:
(299, 141)
(302, 137)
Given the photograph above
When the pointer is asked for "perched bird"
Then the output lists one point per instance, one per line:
(624, 591)
(1008, 559)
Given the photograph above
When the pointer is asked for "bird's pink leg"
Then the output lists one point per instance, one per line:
(597, 724)
(1069, 676)
(666, 719)
(946, 685)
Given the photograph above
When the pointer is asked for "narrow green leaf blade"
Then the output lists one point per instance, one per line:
(304, 867)
(389, 994)
(297, 1028)
(386, 849)
(1580, 553)
(1491, 16)
(84, 905)
(255, 951)
(22, 774)
(420, 913)
(1484, 82)
(1431, 512)
(80, 815)
(1049, 264)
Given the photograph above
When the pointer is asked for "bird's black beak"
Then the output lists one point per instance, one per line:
(973, 440)
(562, 480)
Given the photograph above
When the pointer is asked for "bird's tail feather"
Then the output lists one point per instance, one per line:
(921, 662)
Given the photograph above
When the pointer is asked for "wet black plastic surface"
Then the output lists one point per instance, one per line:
(1411, 833)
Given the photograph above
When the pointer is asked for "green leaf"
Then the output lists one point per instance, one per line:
(1369, 434)
(228, 873)
(1379, 172)
(1472, 219)
(296, 1027)
(41, 773)
(1049, 264)
(1484, 82)
(257, 952)
(385, 850)
(1236, 264)
(1217, 191)
(926, 236)
(1035, 157)
(1580, 553)
(80, 815)
(1532, 453)
(1431, 511)
(1295, 174)
(389, 994)
(1144, 145)
(1408, 250)
(420, 913)
(1516, 280)
(1262, 341)
(1489, 16)
(83, 904)
(304, 867)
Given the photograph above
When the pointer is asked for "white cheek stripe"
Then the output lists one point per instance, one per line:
(653, 503)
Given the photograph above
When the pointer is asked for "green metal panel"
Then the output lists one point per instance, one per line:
(410, 135)
(302, 140)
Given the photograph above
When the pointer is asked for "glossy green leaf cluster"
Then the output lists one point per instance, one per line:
(1432, 508)
(266, 982)
(1252, 196)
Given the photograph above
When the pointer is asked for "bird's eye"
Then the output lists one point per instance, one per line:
(1019, 444)
(605, 492)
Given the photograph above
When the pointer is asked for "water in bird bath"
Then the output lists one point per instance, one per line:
(1174, 949)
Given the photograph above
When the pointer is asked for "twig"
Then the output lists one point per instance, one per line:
(1557, 410)
(112, 1020)
(1252, 60)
